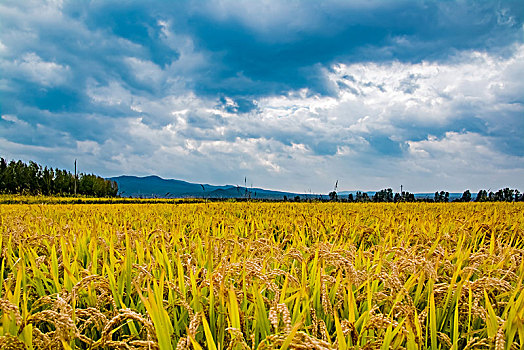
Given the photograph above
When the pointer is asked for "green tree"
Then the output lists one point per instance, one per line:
(482, 196)
(21, 178)
(466, 196)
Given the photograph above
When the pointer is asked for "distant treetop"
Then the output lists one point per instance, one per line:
(17, 177)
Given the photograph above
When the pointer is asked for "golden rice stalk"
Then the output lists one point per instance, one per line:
(10, 342)
(7, 308)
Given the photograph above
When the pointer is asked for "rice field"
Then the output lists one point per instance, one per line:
(262, 276)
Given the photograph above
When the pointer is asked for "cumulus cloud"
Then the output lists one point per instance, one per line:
(145, 71)
(40, 71)
(476, 157)
(373, 122)
(292, 95)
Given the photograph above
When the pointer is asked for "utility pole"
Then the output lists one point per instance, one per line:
(401, 190)
(75, 177)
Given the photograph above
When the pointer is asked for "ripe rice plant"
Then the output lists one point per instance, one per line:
(262, 276)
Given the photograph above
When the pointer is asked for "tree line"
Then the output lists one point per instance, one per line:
(382, 196)
(387, 195)
(17, 177)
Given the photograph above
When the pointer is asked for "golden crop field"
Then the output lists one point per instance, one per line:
(262, 276)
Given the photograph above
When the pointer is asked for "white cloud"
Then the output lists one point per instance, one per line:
(427, 94)
(188, 61)
(145, 71)
(464, 150)
(385, 122)
(112, 94)
(466, 159)
(349, 136)
(34, 68)
(88, 148)
(13, 119)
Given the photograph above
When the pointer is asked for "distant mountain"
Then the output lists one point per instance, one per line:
(255, 193)
(155, 186)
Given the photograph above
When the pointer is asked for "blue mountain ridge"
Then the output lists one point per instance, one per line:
(156, 187)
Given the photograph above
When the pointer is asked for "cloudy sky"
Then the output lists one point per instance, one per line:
(290, 94)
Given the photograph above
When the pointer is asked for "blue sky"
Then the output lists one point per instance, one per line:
(290, 94)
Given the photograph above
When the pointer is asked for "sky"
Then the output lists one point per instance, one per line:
(291, 95)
